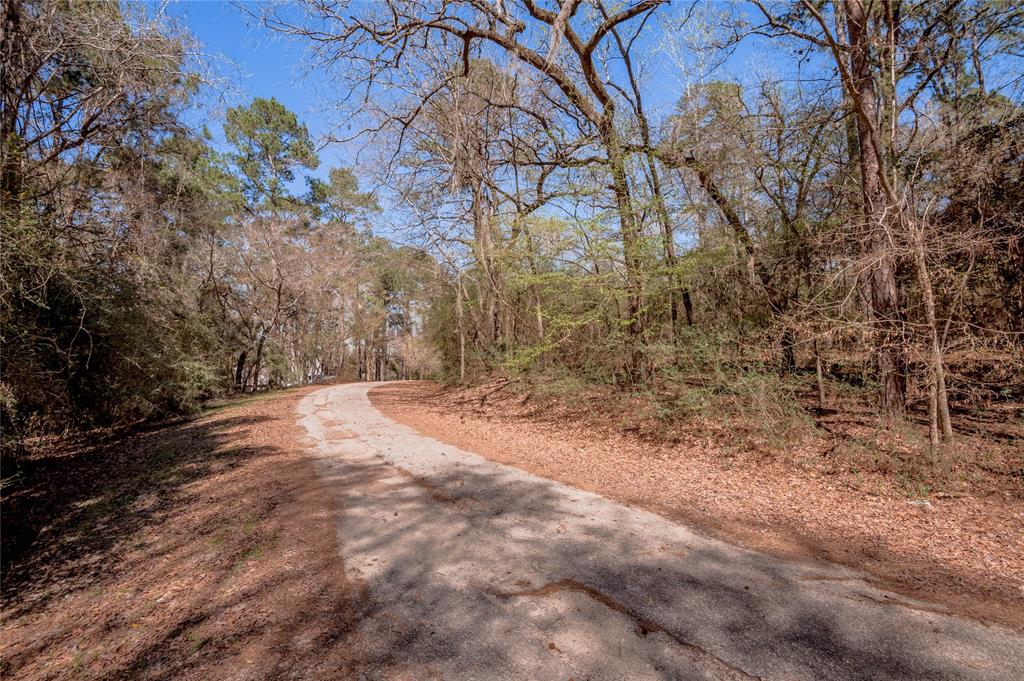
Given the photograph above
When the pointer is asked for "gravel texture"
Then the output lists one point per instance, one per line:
(477, 570)
(965, 553)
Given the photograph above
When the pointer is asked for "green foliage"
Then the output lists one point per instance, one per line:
(100, 319)
(270, 144)
(339, 199)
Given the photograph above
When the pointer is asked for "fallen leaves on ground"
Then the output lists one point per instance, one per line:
(965, 553)
(204, 549)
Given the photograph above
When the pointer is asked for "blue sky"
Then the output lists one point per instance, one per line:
(248, 61)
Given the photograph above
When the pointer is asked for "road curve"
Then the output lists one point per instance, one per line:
(475, 570)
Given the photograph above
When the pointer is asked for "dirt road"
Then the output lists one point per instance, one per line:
(480, 571)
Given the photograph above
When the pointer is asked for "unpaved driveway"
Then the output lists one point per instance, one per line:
(475, 570)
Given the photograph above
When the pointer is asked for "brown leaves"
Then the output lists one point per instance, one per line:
(967, 553)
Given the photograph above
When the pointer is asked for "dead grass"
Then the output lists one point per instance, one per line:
(203, 549)
(842, 490)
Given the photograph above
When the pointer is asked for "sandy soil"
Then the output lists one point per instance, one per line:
(966, 554)
(201, 550)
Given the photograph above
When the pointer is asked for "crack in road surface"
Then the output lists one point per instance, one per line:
(448, 546)
(643, 626)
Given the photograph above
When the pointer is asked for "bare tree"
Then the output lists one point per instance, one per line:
(379, 39)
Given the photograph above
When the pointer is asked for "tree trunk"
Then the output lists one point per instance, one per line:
(933, 415)
(788, 345)
(371, 352)
(12, 158)
(688, 307)
(257, 365)
(938, 371)
(534, 287)
(632, 247)
(240, 370)
(819, 376)
(484, 240)
(668, 245)
(460, 316)
(883, 290)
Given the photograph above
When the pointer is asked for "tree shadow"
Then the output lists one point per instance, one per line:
(195, 550)
(87, 498)
(457, 562)
(474, 579)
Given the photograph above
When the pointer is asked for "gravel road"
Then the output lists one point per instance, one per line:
(475, 570)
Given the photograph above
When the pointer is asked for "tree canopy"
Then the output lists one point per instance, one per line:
(574, 188)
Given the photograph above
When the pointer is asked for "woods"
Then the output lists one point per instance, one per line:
(610, 192)
(146, 270)
(539, 339)
(803, 220)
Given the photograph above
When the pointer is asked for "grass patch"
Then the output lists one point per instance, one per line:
(220, 404)
(194, 642)
(254, 552)
(760, 408)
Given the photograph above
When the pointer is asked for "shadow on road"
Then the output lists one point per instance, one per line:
(688, 614)
(207, 549)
